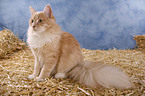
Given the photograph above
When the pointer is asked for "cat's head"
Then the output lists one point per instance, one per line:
(41, 21)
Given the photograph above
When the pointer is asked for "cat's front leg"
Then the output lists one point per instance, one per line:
(47, 68)
(37, 68)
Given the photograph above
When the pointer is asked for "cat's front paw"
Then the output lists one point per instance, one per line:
(39, 79)
(31, 77)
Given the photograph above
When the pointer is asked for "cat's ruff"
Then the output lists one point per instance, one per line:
(37, 40)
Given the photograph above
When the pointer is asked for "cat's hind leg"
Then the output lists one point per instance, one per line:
(60, 75)
(63, 68)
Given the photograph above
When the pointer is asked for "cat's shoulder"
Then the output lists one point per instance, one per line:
(67, 35)
(68, 38)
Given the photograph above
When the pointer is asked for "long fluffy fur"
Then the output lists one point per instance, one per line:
(95, 74)
(58, 53)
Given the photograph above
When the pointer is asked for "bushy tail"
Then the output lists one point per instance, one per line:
(94, 75)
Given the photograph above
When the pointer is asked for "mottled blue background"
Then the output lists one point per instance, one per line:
(97, 24)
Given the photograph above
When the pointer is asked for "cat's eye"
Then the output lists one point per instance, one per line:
(40, 20)
(32, 21)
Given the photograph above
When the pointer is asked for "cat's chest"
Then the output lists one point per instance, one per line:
(39, 40)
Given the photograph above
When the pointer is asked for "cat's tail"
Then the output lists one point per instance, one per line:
(94, 75)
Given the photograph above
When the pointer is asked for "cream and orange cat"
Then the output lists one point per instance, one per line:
(58, 53)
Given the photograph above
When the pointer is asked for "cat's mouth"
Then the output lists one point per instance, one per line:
(38, 30)
(34, 28)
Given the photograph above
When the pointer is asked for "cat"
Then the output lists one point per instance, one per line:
(58, 54)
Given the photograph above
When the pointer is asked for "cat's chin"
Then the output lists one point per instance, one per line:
(38, 30)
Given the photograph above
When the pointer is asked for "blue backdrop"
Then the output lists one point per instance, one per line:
(96, 24)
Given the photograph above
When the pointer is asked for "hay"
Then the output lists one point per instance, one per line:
(140, 42)
(14, 72)
(9, 43)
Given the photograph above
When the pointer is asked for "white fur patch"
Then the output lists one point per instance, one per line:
(39, 39)
(110, 77)
(60, 75)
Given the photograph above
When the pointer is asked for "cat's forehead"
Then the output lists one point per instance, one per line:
(38, 14)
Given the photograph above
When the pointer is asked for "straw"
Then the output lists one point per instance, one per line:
(15, 70)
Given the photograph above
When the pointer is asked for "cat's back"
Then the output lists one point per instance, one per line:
(69, 46)
(68, 40)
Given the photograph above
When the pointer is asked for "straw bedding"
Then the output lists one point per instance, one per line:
(9, 43)
(15, 70)
(140, 42)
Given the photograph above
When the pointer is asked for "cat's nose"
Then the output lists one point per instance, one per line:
(33, 26)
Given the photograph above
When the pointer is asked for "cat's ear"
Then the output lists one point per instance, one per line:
(48, 11)
(32, 11)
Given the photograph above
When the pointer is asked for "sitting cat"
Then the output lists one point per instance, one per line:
(58, 53)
